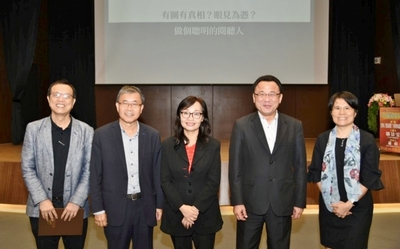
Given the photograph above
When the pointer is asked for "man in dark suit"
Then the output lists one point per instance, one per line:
(267, 170)
(125, 187)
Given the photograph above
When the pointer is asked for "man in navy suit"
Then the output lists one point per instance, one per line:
(125, 187)
(267, 170)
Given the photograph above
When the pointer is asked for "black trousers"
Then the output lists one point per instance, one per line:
(134, 229)
(51, 242)
(248, 233)
(201, 241)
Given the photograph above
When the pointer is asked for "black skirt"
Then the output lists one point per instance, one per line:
(349, 232)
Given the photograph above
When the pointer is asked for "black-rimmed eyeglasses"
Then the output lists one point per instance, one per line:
(195, 115)
(127, 104)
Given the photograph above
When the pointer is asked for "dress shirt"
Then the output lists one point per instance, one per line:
(131, 149)
(270, 129)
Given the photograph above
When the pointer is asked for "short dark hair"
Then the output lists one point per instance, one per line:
(205, 127)
(62, 82)
(130, 89)
(268, 78)
(350, 99)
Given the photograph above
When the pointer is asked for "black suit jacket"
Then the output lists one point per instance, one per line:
(108, 173)
(199, 188)
(258, 177)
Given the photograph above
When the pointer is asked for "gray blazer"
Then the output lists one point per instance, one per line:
(37, 164)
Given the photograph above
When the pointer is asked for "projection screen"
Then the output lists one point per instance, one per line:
(211, 41)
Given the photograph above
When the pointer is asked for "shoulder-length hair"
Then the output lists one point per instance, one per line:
(204, 129)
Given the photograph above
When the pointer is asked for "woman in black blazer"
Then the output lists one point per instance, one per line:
(190, 178)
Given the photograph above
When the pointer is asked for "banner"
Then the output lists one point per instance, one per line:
(389, 132)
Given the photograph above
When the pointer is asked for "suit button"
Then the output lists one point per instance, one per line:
(271, 162)
(190, 191)
(190, 183)
(271, 179)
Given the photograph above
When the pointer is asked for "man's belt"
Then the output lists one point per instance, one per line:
(133, 197)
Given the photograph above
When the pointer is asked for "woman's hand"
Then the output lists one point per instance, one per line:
(342, 209)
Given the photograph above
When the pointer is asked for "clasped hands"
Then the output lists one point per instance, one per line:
(241, 214)
(48, 212)
(342, 209)
(190, 214)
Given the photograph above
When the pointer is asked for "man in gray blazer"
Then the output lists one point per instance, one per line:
(267, 170)
(55, 164)
(125, 188)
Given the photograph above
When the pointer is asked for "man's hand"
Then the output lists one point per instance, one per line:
(70, 211)
(101, 219)
(189, 212)
(187, 223)
(297, 212)
(158, 213)
(240, 212)
(47, 210)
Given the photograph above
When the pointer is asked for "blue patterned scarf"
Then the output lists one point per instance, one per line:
(329, 183)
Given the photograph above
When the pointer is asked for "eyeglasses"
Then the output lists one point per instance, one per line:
(271, 95)
(62, 95)
(342, 109)
(195, 115)
(127, 104)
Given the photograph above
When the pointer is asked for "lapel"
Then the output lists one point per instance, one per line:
(47, 137)
(181, 150)
(259, 131)
(76, 135)
(281, 131)
(199, 152)
(119, 145)
(142, 144)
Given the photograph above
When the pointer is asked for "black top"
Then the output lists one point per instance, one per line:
(61, 139)
(369, 168)
(339, 153)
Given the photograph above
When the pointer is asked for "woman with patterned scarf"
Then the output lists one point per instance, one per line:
(345, 167)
